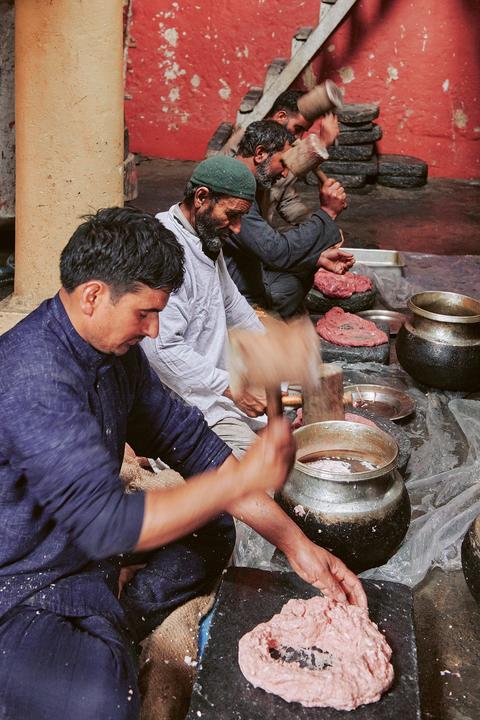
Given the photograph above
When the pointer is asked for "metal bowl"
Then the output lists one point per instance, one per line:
(361, 516)
(393, 319)
(380, 400)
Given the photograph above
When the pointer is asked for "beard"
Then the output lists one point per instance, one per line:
(264, 177)
(212, 239)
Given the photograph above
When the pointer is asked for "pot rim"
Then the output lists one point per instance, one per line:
(440, 317)
(353, 477)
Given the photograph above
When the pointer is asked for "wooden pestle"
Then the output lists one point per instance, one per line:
(285, 351)
(325, 402)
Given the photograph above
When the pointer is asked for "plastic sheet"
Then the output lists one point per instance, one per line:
(442, 478)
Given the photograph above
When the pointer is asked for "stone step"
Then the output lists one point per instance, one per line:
(300, 37)
(219, 138)
(250, 99)
(273, 71)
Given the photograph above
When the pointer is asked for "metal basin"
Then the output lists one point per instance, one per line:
(440, 346)
(360, 510)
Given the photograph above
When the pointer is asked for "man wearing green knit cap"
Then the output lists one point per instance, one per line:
(190, 351)
(189, 355)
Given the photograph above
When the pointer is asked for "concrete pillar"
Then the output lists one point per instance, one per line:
(69, 131)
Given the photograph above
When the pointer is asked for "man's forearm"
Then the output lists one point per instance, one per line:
(263, 514)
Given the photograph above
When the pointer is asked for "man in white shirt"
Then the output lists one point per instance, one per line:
(190, 351)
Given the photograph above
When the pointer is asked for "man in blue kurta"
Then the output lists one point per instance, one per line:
(75, 387)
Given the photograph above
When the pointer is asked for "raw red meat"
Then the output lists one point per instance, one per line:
(342, 328)
(341, 286)
(319, 653)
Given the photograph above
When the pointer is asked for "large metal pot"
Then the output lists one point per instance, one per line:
(471, 558)
(440, 346)
(361, 516)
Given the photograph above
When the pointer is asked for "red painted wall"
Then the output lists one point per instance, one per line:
(192, 62)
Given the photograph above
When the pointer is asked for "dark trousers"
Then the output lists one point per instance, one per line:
(84, 668)
(286, 291)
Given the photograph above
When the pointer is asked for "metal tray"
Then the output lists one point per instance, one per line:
(377, 258)
(393, 319)
(380, 400)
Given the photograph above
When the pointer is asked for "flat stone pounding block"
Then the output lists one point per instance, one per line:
(360, 137)
(352, 181)
(351, 152)
(351, 167)
(402, 182)
(358, 113)
(404, 165)
(248, 597)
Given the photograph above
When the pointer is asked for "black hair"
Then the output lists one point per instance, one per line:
(191, 188)
(269, 134)
(287, 101)
(123, 247)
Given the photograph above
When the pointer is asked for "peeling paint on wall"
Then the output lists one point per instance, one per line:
(347, 74)
(189, 70)
(460, 118)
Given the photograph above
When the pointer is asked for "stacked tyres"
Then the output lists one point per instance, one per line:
(401, 171)
(353, 161)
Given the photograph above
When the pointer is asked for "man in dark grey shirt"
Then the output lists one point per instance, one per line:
(275, 269)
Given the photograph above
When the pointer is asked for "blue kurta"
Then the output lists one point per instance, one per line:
(66, 412)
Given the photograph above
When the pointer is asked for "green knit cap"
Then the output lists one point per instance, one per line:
(227, 176)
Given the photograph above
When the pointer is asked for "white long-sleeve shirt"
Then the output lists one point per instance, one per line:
(190, 352)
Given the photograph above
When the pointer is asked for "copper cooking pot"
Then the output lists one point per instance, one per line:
(440, 345)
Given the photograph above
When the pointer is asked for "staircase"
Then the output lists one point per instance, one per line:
(281, 72)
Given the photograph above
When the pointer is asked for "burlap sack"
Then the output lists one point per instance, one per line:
(169, 655)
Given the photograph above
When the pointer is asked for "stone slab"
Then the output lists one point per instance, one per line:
(359, 137)
(318, 303)
(401, 181)
(352, 181)
(351, 152)
(358, 126)
(248, 597)
(404, 165)
(358, 113)
(337, 167)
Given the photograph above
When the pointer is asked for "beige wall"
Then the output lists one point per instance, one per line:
(69, 124)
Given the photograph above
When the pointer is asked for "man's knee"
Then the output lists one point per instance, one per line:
(55, 667)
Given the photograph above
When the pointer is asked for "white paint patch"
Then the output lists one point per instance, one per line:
(476, 129)
(174, 94)
(402, 31)
(171, 36)
(392, 73)
(173, 71)
(460, 118)
(347, 74)
(225, 91)
(195, 81)
(424, 38)
(331, 48)
(371, 56)
(446, 85)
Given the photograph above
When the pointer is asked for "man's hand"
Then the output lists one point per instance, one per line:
(329, 130)
(336, 260)
(268, 461)
(327, 573)
(333, 198)
(252, 402)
